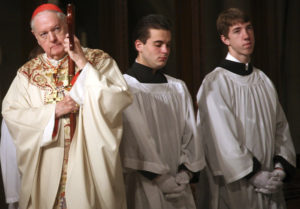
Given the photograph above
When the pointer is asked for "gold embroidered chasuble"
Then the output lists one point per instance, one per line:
(92, 174)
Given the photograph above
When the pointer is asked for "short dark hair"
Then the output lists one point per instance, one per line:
(229, 18)
(152, 21)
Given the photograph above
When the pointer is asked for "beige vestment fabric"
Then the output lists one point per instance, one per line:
(94, 174)
(159, 136)
(240, 117)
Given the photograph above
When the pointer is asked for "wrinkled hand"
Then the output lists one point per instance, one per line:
(260, 179)
(77, 54)
(168, 185)
(183, 177)
(267, 182)
(65, 106)
(274, 185)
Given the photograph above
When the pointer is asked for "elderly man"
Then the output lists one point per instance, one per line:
(58, 171)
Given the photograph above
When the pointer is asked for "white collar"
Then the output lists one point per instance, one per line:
(232, 58)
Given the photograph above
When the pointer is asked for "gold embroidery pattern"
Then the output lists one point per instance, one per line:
(60, 79)
(39, 72)
(60, 202)
(34, 72)
(54, 81)
(45, 76)
(95, 56)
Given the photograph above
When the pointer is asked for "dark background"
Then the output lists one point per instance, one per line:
(196, 48)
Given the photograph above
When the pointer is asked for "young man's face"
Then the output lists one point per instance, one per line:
(155, 52)
(240, 41)
(50, 32)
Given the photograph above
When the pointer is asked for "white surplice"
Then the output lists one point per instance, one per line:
(9, 167)
(240, 117)
(159, 136)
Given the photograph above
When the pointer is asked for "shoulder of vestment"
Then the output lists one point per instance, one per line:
(95, 56)
(31, 66)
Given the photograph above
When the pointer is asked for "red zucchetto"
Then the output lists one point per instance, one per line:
(45, 7)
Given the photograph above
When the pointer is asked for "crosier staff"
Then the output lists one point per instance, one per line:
(71, 31)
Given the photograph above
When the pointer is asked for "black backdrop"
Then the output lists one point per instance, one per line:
(196, 48)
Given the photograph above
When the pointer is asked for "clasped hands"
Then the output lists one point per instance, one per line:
(173, 187)
(268, 182)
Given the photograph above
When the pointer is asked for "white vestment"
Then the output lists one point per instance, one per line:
(10, 173)
(240, 118)
(159, 136)
(94, 173)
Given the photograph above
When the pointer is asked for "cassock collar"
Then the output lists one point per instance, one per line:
(233, 65)
(145, 74)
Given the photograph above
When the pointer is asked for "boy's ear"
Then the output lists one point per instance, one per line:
(138, 45)
(224, 40)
